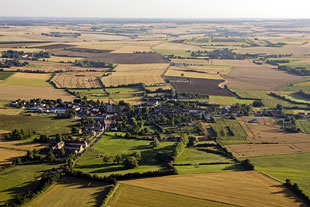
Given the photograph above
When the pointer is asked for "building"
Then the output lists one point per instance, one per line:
(109, 106)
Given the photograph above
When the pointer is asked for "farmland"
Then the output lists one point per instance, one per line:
(77, 80)
(226, 100)
(200, 86)
(226, 188)
(292, 166)
(148, 74)
(127, 195)
(5, 75)
(10, 186)
(61, 193)
(186, 73)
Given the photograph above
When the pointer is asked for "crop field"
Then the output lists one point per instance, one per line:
(201, 86)
(58, 59)
(41, 124)
(7, 155)
(229, 131)
(190, 73)
(252, 76)
(296, 98)
(176, 46)
(180, 53)
(129, 58)
(225, 100)
(148, 74)
(129, 196)
(70, 191)
(28, 79)
(233, 188)
(78, 80)
(292, 166)
(159, 86)
(10, 185)
(53, 46)
(264, 121)
(304, 126)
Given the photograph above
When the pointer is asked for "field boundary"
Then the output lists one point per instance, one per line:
(106, 202)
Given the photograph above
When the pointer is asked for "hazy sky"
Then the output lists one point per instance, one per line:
(157, 8)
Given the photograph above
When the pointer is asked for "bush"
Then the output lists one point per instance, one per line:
(130, 163)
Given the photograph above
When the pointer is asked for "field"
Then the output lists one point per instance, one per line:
(304, 126)
(5, 109)
(29, 86)
(247, 75)
(130, 196)
(5, 75)
(293, 166)
(190, 73)
(44, 125)
(19, 178)
(110, 145)
(78, 80)
(229, 131)
(225, 100)
(70, 191)
(200, 86)
(232, 188)
(264, 121)
(148, 74)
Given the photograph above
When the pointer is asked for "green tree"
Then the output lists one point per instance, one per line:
(130, 163)
(50, 156)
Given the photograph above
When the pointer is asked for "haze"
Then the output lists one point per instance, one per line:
(157, 9)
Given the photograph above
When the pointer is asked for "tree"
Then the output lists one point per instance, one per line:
(130, 163)
(62, 152)
(155, 143)
(71, 163)
(30, 155)
(50, 156)
(193, 141)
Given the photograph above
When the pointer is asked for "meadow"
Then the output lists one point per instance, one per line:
(293, 166)
(5, 75)
(227, 188)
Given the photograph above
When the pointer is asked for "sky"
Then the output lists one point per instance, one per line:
(157, 8)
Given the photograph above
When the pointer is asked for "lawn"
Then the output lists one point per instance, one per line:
(225, 100)
(71, 191)
(229, 131)
(17, 179)
(295, 167)
(5, 75)
(41, 124)
(127, 195)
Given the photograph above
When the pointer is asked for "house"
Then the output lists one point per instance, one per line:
(75, 146)
(59, 145)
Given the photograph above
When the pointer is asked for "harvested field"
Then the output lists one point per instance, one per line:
(128, 58)
(247, 75)
(235, 188)
(7, 155)
(28, 79)
(200, 86)
(130, 196)
(14, 92)
(125, 74)
(264, 121)
(71, 191)
(53, 46)
(154, 88)
(78, 80)
(265, 134)
(254, 150)
(191, 73)
(176, 46)
(228, 101)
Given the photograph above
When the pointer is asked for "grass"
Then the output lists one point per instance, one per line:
(71, 191)
(5, 109)
(297, 98)
(110, 145)
(5, 75)
(292, 166)
(225, 100)
(304, 126)
(174, 52)
(19, 178)
(192, 169)
(28, 79)
(127, 195)
(229, 131)
(41, 124)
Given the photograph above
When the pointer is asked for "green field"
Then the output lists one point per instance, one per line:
(17, 179)
(127, 195)
(5, 109)
(110, 145)
(41, 124)
(71, 191)
(295, 167)
(267, 100)
(303, 125)
(229, 131)
(5, 75)
(225, 100)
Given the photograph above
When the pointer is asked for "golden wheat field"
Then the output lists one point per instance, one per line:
(78, 80)
(125, 74)
(237, 188)
(191, 73)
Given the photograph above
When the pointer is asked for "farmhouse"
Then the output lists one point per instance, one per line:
(75, 146)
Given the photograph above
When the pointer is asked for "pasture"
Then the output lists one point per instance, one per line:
(71, 191)
(233, 188)
(292, 166)
(127, 195)
(226, 100)
(26, 174)
(78, 80)
(41, 124)
(5, 75)
(125, 74)
(28, 79)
